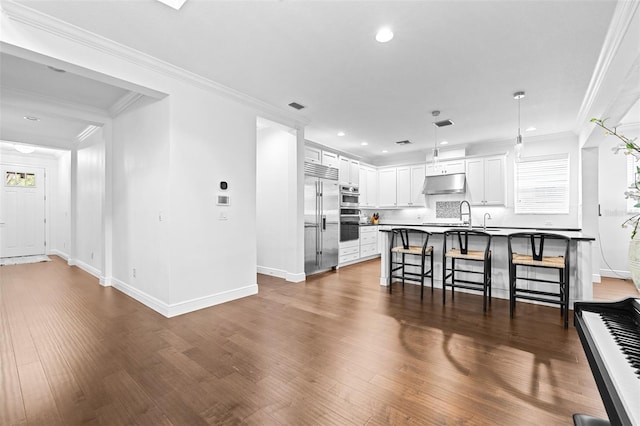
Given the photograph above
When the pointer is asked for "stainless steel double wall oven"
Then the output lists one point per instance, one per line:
(349, 213)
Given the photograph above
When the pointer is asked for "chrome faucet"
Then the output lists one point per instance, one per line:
(468, 213)
(484, 221)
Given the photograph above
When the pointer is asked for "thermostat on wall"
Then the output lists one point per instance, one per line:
(223, 200)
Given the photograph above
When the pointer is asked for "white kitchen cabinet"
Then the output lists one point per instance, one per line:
(409, 181)
(330, 159)
(486, 180)
(368, 186)
(417, 181)
(312, 155)
(369, 241)
(348, 251)
(403, 186)
(387, 187)
(446, 167)
(349, 170)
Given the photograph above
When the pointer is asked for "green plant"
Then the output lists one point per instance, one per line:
(629, 147)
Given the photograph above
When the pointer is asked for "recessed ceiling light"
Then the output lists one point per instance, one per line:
(364, 143)
(31, 118)
(54, 69)
(24, 149)
(444, 143)
(384, 151)
(340, 133)
(530, 129)
(384, 35)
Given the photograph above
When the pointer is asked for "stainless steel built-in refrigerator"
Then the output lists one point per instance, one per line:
(321, 218)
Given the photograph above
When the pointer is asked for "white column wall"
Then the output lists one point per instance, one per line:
(272, 189)
(90, 183)
(61, 220)
(213, 139)
(140, 201)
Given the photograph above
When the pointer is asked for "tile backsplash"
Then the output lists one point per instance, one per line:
(447, 209)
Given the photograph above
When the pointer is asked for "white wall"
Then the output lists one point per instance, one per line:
(213, 139)
(61, 220)
(90, 186)
(272, 194)
(614, 239)
(140, 198)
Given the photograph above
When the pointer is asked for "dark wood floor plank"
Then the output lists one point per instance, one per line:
(11, 402)
(336, 349)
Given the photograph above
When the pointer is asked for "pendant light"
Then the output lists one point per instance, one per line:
(519, 148)
(436, 151)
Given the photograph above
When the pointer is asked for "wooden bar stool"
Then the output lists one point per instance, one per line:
(472, 247)
(555, 257)
(401, 246)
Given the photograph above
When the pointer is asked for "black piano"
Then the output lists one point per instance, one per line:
(610, 336)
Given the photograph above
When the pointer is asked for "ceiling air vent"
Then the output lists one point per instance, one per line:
(296, 105)
(406, 142)
(443, 123)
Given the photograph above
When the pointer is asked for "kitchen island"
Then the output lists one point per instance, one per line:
(580, 281)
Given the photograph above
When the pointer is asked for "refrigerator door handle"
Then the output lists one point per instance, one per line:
(324, 223)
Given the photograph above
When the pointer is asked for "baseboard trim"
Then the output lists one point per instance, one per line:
(615, 273)
(296, 278)
(59, 253)
(279, 273)
(180, 308)
(596, 278)
(142, 297)
(211, 300)
(85, 267)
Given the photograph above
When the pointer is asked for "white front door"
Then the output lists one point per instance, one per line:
(22, 226)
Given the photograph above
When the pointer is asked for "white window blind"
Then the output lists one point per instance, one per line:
(542, 185)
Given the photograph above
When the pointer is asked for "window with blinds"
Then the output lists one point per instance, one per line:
(542, 185)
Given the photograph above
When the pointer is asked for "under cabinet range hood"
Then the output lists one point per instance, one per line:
(444, 184)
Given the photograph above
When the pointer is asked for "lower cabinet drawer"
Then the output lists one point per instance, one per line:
(344, 251)
(368, 249)
(343, 258)
(368, 239)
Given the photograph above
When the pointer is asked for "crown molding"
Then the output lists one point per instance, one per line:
(32, 18)
(623, 16)
(123, 103)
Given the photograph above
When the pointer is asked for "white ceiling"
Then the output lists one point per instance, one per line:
(464, 58)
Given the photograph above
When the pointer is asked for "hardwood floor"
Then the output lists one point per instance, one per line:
(335, 350)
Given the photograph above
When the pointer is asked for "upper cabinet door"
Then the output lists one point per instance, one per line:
(495, 181)
(403, 186)
(330, 159)
(387, 187)
(417, 181)
(344, 170)
(354, 172)
(372, 187)
(475, 181)
(486, 181)
(312, 155)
